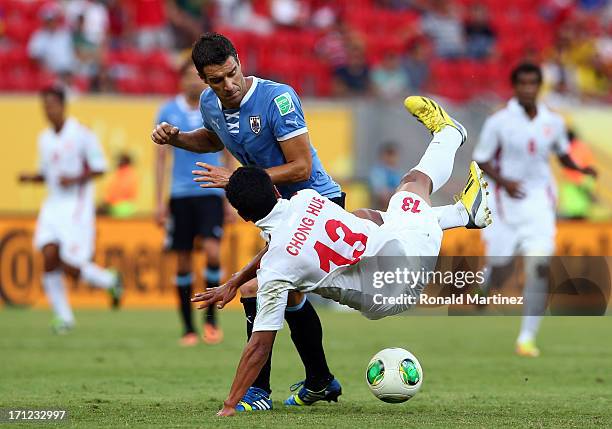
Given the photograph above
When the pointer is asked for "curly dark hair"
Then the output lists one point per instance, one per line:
(251, 192)
(524, 68)
(212, 49)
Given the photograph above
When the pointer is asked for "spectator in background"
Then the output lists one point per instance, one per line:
(241, 15)
(147, 21)
(122, 189)
(323, 13)
(416, 64)
(442, 23)
(52, 45)
(188, 19)
(576, 191)
(92, 18)
(288, 13)
(389, 79)
(334, 45)
(354, 77)
(88, 54)
(118, 23)
(385, 176)
(479, 34)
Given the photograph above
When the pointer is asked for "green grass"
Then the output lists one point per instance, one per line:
(125, 369)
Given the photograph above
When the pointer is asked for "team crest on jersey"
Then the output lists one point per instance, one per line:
(255, 122)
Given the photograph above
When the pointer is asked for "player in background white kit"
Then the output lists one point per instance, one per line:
(513, 150)
(315, 245)
(69, 158)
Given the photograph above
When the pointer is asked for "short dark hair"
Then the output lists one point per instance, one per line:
(524, 68)
(55, 91)
(212, 49)
(251, 192)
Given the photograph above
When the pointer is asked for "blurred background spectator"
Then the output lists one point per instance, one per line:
(134, 46)
(51, 46)
(385, 176)
(121, 190)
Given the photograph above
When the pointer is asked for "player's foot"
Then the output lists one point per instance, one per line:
(474, 199)
(527, 349)
(212, 334)
(255, 399)
(61, 327)
(308, 397)
(430, 114)
(189, 340)
(116, 291)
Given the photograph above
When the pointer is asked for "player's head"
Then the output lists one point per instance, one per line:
(217, 63)
(54, 104)
(526, 80)
(191, 84)
(251, 192)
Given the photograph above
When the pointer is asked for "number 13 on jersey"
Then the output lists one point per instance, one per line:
(327, 254)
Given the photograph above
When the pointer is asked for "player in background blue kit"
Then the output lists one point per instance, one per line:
(261, 123)
(192, 212)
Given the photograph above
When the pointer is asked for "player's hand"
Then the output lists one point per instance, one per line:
(69, 181)
(161, 215)
(226, 411)
(589, 171)
(164, 133)
(216, 176)
(514, 189)
(26, 177)
(220, 295)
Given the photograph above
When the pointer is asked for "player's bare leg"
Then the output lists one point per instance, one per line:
(212, 334)
(53, 284)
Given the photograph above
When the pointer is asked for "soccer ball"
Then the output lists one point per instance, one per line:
(394, 375)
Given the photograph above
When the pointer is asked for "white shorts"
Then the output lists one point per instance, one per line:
(74, 233)
(409, 239)
(520, 227)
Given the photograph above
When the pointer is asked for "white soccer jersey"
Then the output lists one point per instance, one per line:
(520, 148)
(314, 242)
(68, 154)
(67, 217)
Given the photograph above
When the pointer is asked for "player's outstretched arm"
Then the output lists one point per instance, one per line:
(222, 295)
(199, 141)
(31, 178)
(568, 162)
(253, 358)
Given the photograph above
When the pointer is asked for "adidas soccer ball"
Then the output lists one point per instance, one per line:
(394, 375)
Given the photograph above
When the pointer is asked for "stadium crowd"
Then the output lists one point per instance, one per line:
(457, 49)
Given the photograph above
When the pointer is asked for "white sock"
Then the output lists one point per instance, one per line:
(98, 276)
(53, 283)
(530, 325)
(438, 160)
(535, 296)
(452, 216)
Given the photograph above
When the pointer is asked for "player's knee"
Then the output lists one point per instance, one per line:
(183, 261)
(294, 298)
(249, 289)
(212, 249)
(51, 259)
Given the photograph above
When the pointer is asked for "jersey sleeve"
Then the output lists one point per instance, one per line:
(285, 114)
(40, 161)
(561, 145)
(271, 305)
(487, 143)
(94, 156)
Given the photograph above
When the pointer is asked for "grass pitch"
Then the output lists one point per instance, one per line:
(125, 369)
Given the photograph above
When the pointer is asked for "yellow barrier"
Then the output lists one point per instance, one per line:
(125, 124)
(135, 248)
